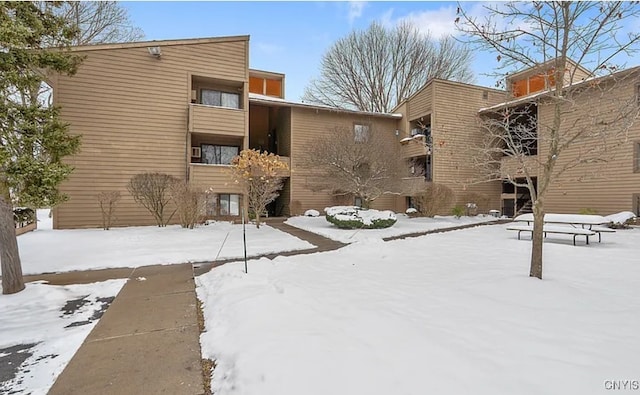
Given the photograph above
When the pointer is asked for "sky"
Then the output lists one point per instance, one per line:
(291, 37)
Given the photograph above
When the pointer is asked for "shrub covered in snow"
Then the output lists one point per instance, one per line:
(620, 220)
(352, 217)
(311, 213)
(411, 210)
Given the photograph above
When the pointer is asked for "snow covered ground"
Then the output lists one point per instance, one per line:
(42, 327)
(405, 225)
(449, 313)
(45, 250)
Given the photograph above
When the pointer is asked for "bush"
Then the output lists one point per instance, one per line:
(311, 213)
(588, 211)
(479, 199)
(24, 216)
(107, 201)
(457, 211)
(351, 217)
(190, 201)
(152, 191)
(434, 199)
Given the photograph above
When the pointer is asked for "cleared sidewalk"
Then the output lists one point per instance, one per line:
(147, 342)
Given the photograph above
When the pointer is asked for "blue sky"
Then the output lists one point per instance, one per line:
(291, 37)
(288, 37)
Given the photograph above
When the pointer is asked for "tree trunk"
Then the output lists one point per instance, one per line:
(537, 239)
(257, 219)
(12, 280)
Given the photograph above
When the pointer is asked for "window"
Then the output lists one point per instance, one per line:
(219, 99)
(357, 201)
(485, 95)
(428, 169)
(361, 133)
(229, 204)
(218, 154)
(636, 157)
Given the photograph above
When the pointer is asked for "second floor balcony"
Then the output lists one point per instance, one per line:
(217, 120)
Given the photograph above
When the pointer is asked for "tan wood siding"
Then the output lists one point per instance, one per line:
(216, 120)
(606, 186)
(421, 103)
(413, 148)
(306, 126)
(132, 110)
(455, 135)
(215, 177)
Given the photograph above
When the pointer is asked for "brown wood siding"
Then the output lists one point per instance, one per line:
(605, 186)
(455, 134)
(421, 103)
(216, 120)
(413, 148)
(306, 125)
(216, 177)
(132, 111)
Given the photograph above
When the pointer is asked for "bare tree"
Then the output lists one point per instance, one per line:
(152, 191)
(355, 163)
(108, 201)
(98, 22)
(585, 107)
(373, 70)
(260, 174)
(191, 201)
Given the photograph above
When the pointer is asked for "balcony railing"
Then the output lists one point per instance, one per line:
(217, 120)
(218, 177)
(511, 167)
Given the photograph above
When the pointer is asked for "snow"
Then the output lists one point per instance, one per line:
(46, 250)
(587, 219)
(354, 213)
(403, 226)
(311, 213)
(36, 315)
(448, 313)
(411, 210)
(621, 217)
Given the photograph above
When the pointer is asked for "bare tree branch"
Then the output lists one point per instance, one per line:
(373, 70)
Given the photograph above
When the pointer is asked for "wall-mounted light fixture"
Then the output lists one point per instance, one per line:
(155, 51)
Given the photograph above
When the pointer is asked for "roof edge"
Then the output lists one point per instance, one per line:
(139, 44)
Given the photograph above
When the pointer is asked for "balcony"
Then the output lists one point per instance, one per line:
(413, 185)
(218, 176)
(217, 120)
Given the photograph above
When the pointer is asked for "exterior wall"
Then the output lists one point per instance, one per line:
(306, 126)
(455, 135)
(132, 112)
(606, 186)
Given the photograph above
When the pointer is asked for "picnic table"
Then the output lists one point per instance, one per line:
(572, 224)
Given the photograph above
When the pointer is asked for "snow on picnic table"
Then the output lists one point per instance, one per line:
(48, 331)
(46, 250)
(403, 226)
(448, 313)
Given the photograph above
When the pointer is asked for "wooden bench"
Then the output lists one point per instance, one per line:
(568, 230)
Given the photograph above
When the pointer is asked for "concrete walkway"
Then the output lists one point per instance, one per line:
(147, 342)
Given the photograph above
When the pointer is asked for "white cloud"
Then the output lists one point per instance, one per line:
(355, 10)
(439, 22)
(269, 49)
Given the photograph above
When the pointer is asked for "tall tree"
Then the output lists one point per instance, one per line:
(355, 163)
(33, 140)
(375, 69)
(585, 108)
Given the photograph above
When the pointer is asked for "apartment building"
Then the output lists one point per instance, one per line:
(186, 107)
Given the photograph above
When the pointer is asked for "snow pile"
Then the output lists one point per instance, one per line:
(620, 218)
(411, 210)
(311, 213)
(45, 325)
(415, 316)
(356, 217)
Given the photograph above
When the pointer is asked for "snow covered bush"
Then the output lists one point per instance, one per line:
(621, 220)
(352, 217)
(411, 210)
(311, 213)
